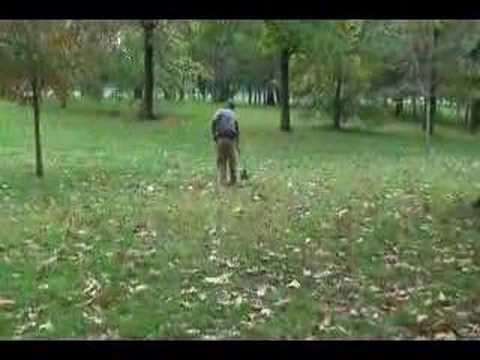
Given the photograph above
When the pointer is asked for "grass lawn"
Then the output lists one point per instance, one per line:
(336, 234)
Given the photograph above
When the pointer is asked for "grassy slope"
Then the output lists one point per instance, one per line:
(336, 234)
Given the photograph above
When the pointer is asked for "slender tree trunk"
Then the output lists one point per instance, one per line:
(398, 107)
(201, 85)
(270, 96)
(149, 71)
(138, 92)
(414, 107)
(475, 116)
(457, 112)
(167, 95)
(433, 107)
(337, 116)
(466, 118)
(36, 119)
(424, 115)
(428, 126)
(249, 95)
(285, 110)
(433, 83)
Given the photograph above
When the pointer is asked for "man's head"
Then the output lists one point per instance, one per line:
(230, 105)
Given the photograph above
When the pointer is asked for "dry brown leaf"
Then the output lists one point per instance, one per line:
(5, 302)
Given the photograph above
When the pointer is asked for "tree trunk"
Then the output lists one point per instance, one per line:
(433, 107)
(433, 83)
(424, 117)
(270, 96)
(414, 107)
(36, 119)
(457, 112)
(337, 116)
(249, 95)
(138, 92)
(285, 98)
(167, 94)
(202, 88)
(428, 125)
(398, 107)
(466, 118)
(475, 116)
(277, 95)
(221, 86)
(149, 71)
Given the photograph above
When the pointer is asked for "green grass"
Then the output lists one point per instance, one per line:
(126, 235)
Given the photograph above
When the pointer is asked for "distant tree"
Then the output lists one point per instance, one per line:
(287, 38)
(36, 54)
(148, 33)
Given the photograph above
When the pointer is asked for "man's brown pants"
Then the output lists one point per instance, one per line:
(226, 155)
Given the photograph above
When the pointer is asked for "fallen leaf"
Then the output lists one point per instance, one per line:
(445, 336)
(327, 321)
(48, 326)
(4, 302)
(193, 331)
(262, 290)
(266, 312)
(294, 284)
(139, 288)
(191, 290)
(342, 212)
(238, 210)
(222, 279)
(421, 318)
